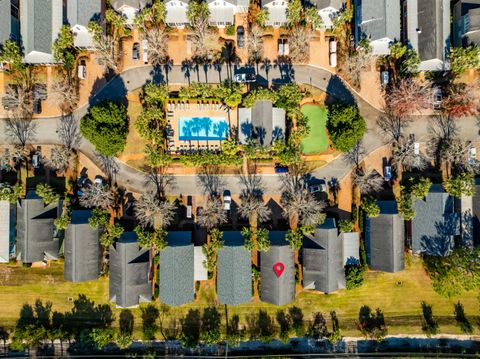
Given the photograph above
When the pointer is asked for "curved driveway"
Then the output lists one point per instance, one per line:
(134, 78)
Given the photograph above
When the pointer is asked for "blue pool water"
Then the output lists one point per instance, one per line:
(202, 128)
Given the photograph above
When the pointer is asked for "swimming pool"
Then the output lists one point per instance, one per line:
(202, 128)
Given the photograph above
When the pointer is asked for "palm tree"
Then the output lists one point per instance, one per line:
(151, 212)
(256, 241)
(98, 196)
(212, 215)
(299, 205)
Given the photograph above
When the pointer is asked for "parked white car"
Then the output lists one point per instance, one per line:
(227, 200)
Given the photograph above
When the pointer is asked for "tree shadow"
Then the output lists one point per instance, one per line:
(461, 319)
(210, 330)
(430, 324)
(115, 90)
(150, 314)
(191, 325)
(209, 178)
(260, 326)
(284, 323)
(126, 322)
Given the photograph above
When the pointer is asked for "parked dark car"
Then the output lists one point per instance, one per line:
(281, 169)
(240, 37)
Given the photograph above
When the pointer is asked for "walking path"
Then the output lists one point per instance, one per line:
(134, 78)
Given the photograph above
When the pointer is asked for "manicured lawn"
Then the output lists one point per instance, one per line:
(317, 139)
(398, 295)
(135, 144)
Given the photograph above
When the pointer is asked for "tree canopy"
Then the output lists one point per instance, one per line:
(345, 126)
(106, 127)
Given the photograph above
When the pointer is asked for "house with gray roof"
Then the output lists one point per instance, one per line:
(351, 247)
(222, 12)
(129, 280)
(277, 271)
(177, 269)
(262, 123)
(40, 25)
(277, 12)
(129, 8)
(427, 30)
(7, 230)
(379, 22)
(323, 262)
(476, 213)
(385, 239)
(177, 13)
(435, 223)
(82, 250)
(79, 14)
(234, 270)
(9, 21)
(327, 9)
(466, 23)
(35, 229)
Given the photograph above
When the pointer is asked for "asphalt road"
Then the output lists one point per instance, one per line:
(134, 180)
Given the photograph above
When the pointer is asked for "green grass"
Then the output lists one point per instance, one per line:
(317, 139)
(398, 295)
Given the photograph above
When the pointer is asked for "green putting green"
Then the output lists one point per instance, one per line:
(317, 139)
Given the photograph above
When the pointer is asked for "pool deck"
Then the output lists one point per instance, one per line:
(192, 109)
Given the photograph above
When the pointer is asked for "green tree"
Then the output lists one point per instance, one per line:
(405, 205)
(409, 63)
(210, 329)
(191, 326)
(345, 126)
(10, 193)
(101, 337)
(47, 193)
(111, 234)
(99, 218)
(372, 325)
(345, 226)
(150, 314)
(312, 17)
(464, 58)
(289, 97)
(63, 221)
(210, 250)
(419, 187)
(262, 17)
(294, 13)
(106, 127)
(12, 54)
(354, 275)
(460, 184)
(370, 206)
(63, 48)
(456, 273)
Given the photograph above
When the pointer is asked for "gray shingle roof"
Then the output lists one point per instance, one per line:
(476, 214)
(234, 270)
(274, 289)
(81, 12)
(35, 229)
(385, 239)
(377, 19)
(7, 230)
(81, 249)
(136, 4)
(435, 223)
(40, 25)
(322, 4)
(323, 267)
(177, 269)
(129, 272)
(9, 25)
(263, 123)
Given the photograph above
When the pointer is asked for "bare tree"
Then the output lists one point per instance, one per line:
(98, 196)
(356, 63)
(157, 38)
(105, 51)
(20, 130)
(60, 158)
(355, 155)
(408, 96)
(392, 126)
(255, 43)
(151, 211)
(368, 183)
(69, 132)
(299, 205)
(213, 214)
(404, 157)
(299, 43)
(64, 94)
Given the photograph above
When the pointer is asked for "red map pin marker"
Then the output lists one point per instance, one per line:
(278, 268)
